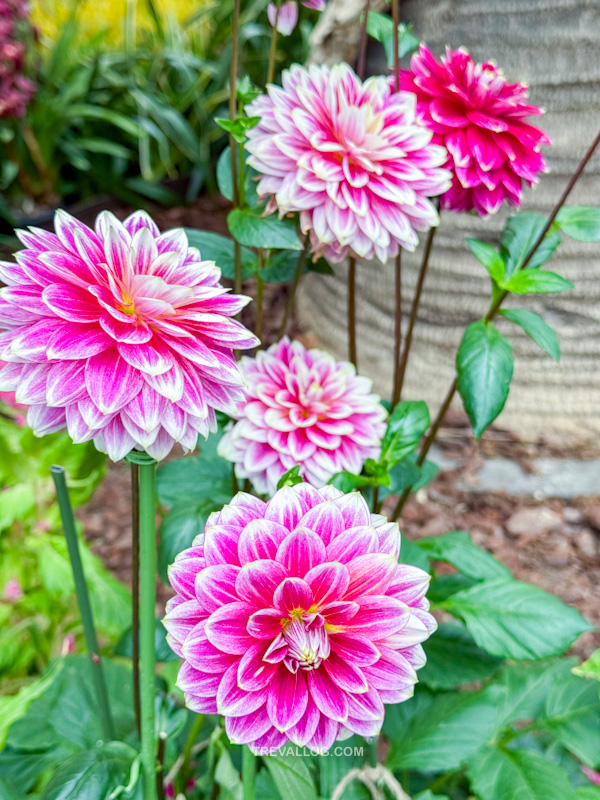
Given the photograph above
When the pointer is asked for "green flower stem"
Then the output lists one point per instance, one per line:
(352, 310)
(273, 50)
(292, 295)
(494, 308)
(248, 774)
(189, 745)
(83, 598)
(147, 519)
(135, 590)
(237, 253)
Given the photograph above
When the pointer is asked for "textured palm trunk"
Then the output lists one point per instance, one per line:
(552, 46)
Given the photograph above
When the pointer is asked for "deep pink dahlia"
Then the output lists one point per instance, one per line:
(302, 407)
(480, 120)
(350, 158)
(123, 334)
(295, 620)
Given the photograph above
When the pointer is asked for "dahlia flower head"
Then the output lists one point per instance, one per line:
(302, 407)
(350, 157)
(122, 334)
(480, 119)
(287, 18)
(295, 620)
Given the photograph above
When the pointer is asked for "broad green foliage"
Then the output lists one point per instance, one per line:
(534, 326)
(580, 222)
(590, 668)
(484, 365)
(381, 28)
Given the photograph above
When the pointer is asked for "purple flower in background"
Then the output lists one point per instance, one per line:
(295, 620)
(122, 334)
(16, 90)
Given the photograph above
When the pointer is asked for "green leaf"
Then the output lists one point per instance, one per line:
(162, 650)
(535, 327)
(290, 478)
(251, 229)
(228, 778)
(457, 549)
(225, 182)
(381, 27)
(446, 733)
(349, 482)
(524, 688)
(530, 281)
(178, 529)
(333, 770)
(520, 234)
(572, 715)
(192, 480)
(16, 502)
(589, 668)
(489, 257)
(15, 706)
(221, 250)
(407, 423)
(444, 586)
(484, 365)
(281, 267)
(291, 776)
(454, 659)
(246, 91)
(511, 619)
(517, 775)
(411, 554)
(237, 127)
(92, 774)
(580, 222)
(587, 793)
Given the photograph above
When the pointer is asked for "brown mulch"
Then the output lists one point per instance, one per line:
(552, 543)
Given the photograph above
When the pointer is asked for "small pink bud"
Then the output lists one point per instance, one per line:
(190, 784)
(68, 645)
(12, 590)
(170, 789)
(592, 775)
(287, 19)
(316, 5)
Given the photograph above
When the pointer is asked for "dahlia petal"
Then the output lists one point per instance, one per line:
(345, 674)
(201, 705)
(235, 702)
(287, 698)
(117, 441)
(111, 381)
(379, 617)
(352, 543)
(300, 551)
(215, 586)
(226, 628)
(408, 584)
(329, 699)
(181, 618)
(31, 389)
(269, 743)
(325, 735)
(220, 545)
(146, 408)
(260, 539)
(201, 684)
(257, 581)
(249, 728)
(65, 384)
(391, 671)
(366, 728)
(43, 420)
(355, 649)
(71, 303)
(366, 706)
(339, 612)
(370, 574)
(202, 654)
(266, 623)
(354, 508)
(304, 730)
(253, 671)
(136, 333)
(286, 508)
(327, 517)
(182, 576)
(328, 582)
(72, 342)
(293, 594)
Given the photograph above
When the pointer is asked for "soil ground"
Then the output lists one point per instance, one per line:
(553, 543)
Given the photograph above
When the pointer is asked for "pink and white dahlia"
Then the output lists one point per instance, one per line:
(350, 157)
(480, 119)
(121, 333)
(302, 407)
(295, 620)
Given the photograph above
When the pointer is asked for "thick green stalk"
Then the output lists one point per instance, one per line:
(147, 521)
(248, 774)
(83, 598)
(135, 590)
